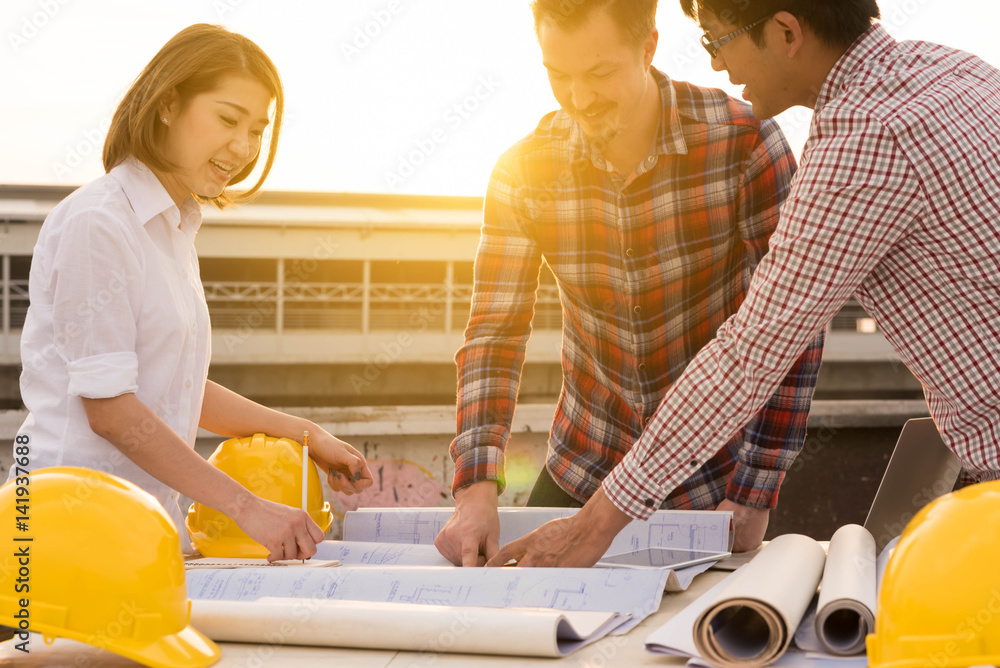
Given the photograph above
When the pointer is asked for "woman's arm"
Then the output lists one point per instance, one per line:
(133, 428)
(227, 413)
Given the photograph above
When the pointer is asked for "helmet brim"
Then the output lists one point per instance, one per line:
(188, 648)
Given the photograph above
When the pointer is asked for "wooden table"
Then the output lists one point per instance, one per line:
(628, 650)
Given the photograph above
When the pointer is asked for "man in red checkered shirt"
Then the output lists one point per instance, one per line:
(896, 202)
(652, 201)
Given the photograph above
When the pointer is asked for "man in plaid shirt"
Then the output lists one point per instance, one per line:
(652, 201)
(897, 202)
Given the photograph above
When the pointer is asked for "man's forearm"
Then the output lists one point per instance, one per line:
(773, 438)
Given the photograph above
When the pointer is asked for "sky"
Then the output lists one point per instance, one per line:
(382, 96)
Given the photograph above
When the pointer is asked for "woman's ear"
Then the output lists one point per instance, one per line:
(169, 106)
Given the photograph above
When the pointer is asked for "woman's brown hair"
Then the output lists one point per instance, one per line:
(194, 61)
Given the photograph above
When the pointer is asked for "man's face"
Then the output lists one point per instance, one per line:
(596, 76)
(757, 69)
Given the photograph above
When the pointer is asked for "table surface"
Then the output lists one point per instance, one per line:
(627, 650)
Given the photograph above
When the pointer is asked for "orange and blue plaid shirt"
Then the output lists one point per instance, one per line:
(648, 268)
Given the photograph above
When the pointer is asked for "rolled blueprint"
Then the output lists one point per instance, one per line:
(753, 620)
(845, 613)
(402, 626)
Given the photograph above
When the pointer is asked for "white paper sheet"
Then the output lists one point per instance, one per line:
(754, 619)
(858, 566)
(402, 626)
(634, 592)
(682, 578)
(676, 638)
(359, 553)
(354, 552)
(845, 611)
(882, 562)
(689, 529)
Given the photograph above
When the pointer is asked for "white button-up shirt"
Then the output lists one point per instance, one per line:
(117, 306)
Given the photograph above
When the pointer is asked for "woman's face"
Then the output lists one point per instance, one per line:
(213, 137)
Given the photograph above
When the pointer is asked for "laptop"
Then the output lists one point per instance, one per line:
(921, 469)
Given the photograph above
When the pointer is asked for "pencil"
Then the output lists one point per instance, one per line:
(305, 471)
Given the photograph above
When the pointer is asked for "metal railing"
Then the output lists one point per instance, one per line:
(356, 307)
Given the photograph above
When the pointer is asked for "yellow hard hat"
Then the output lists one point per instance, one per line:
(269, 467)
(94, 558)
(939, 603)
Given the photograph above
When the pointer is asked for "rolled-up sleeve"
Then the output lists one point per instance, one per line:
(95, 284)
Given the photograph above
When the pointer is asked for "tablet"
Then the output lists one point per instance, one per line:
(661, 557)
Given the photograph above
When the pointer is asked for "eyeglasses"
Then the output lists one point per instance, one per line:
(712, 45)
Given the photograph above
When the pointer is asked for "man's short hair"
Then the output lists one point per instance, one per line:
(636, 18)
(838, 23)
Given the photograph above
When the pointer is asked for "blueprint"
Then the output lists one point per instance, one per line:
(634, 592)
(415, 628)
(353, 552)
(690, 529)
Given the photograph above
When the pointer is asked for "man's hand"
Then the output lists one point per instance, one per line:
(472, 533)
(750, 524)
(571, 542)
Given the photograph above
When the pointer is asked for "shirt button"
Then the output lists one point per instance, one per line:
(694, 463)
(637, 310)
(187, 384)
(650, 160)
(629, 252)
(649, 503)
(642, 367)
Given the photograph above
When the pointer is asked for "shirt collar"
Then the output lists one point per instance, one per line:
(149, 198)
(874, 42)
(669, 136)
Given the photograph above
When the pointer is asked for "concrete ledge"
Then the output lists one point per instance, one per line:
(532, 418)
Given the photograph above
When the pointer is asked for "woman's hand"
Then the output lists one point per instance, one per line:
(288, 533)
(225, 412)
(345, 467)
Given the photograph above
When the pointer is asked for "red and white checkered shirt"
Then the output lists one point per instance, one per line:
(647, 272)
(897, 202)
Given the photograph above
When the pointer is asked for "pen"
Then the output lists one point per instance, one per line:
(305, 473)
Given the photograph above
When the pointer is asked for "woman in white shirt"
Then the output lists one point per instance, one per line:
(116, 344)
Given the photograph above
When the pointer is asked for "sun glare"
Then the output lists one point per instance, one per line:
(388, 96)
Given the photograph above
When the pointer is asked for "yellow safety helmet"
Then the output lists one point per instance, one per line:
(269, 467)
(939, 603)
(94, 558)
